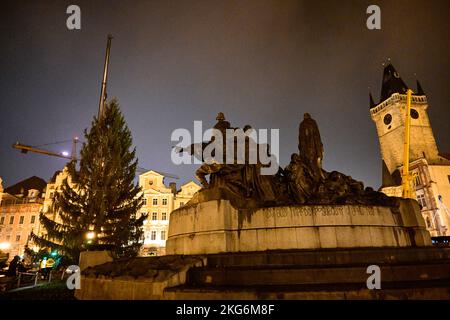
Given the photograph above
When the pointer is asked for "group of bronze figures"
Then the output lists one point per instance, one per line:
(302, 181)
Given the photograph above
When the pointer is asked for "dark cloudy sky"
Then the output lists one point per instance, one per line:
(261, 62)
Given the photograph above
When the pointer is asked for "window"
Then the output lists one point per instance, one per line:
(155, 201)
(428, 221)
(153, 235)
(18, 238)
(52, 195)
(163, 235)
(11, 220)
(163, 216)
(416, 179)
(154, 216)
(448, 179)
(145, 201)
(2, 220)
(181, 204)
(21, 219)
(33, 219)
(164, 202)
(421, 200)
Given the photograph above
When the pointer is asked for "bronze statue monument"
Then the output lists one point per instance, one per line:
(302, 181)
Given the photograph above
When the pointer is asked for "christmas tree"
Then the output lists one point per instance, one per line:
(98, 206)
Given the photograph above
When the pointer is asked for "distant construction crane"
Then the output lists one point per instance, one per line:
(101, 109)
(73, 156)
(25, 148)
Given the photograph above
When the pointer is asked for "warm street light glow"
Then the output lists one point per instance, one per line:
(65, 153)
(4, 245)
(90, 235)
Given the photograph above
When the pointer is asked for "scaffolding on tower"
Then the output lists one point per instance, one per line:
(406, 176)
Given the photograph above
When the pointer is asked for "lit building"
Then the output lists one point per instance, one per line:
(53, 187)
(19, 214)
(429, 168)
(159, 202)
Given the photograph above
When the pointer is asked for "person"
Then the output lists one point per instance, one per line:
(12, 269)
(21, 266)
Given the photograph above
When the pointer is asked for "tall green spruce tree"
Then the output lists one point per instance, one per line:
(102, 199)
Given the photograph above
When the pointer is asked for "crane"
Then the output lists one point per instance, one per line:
(73, 156)
(101, 109)
(25, 148)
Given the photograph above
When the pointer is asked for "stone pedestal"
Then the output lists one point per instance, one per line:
(216, 226)
(94, 258)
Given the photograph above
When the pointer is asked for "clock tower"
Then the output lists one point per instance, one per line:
(389, 118)
(429, 169)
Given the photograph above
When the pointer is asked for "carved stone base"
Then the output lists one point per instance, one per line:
(216, 226)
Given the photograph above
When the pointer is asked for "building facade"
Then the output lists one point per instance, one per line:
(159, 202)
(430, 169)
(19, 214)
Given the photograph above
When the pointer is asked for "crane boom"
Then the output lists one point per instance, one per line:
(101, 106)
(24, 149)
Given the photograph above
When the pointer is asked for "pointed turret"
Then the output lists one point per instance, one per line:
(371, 102)
(392, 83)
(420, 91)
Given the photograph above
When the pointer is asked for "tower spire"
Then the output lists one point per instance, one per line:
(420, 91)
(371, 102)
(392, 83)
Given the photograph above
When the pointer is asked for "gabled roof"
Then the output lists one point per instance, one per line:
(152, 173)
(189, 183)
(53, 179)
(27, 184)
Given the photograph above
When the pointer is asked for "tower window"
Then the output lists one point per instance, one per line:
(448, 179)
(421, 200)
(387, 119)
(414, 114)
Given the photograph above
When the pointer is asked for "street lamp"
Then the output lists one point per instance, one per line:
(5, 245)
(90, 236)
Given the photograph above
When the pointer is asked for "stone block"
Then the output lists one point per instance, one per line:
(327, 237)
(94, 258)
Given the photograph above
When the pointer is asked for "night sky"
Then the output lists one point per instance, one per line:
(261, 62)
